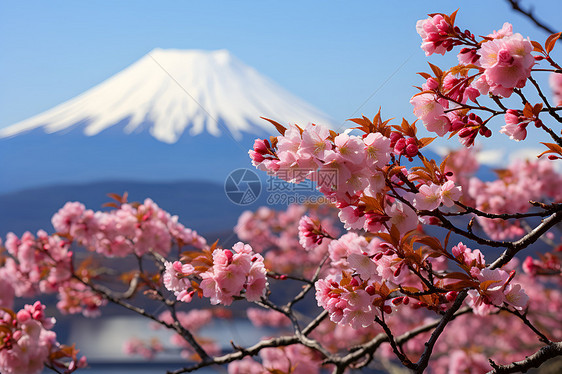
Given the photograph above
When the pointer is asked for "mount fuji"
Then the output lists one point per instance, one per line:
(172, 115)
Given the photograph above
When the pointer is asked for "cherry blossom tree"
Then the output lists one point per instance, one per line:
(412, 261)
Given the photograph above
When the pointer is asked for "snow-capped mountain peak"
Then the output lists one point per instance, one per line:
(170, 91)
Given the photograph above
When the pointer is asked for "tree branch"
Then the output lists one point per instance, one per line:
(527, 240)
(253, 350)
(371, 346)
(533, 361)
(448, 317)
(176, 326)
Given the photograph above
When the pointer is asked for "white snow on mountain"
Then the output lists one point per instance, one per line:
(170, 91)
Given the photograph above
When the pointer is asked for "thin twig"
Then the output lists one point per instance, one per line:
(108, 294)
(529, 14)
(310, 284)
(551, 111)
(523, 317)
(395, 348)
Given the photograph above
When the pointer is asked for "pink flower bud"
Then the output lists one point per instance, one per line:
(260, 146)
(432, 84)
(371, 290)
(451, 296)
(399, 146)
(411, 150)
(23, 316)
(394, 137)
(255, 156)
(228, 254)
(464, 133)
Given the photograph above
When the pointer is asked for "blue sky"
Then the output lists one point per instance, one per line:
(334, 54)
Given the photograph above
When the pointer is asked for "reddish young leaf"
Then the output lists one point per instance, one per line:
(424, 142)
(551, 41)
(277, 125)
(438, 72)
(537, 47)
(453, 16)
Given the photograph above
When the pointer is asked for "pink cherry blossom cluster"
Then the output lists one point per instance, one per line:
(522, 182)
(548, 264)
(496, 289)
(357, 163)
(128, 229)
(351, 157)
(231, 273)
(347, 302)
(501, 62)
(43, 264)
(495, 285)
(432, 195)
(358, 270)
(175, 279)
(515, 125)
(503, 58)
(27, 343)
(439, 34)
(311, 232)
(36, 264)
(507, 63)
